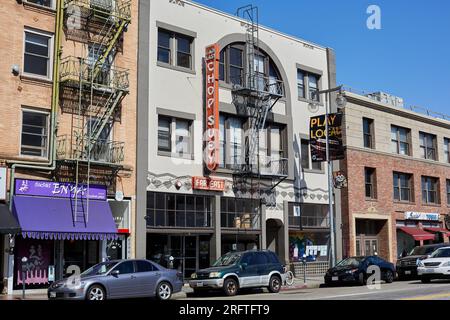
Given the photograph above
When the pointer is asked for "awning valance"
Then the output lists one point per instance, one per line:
(438, 230)
(53, 218)
(8, 223)
(417, 233)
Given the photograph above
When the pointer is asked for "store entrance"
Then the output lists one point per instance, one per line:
(81, 253)
(368, 233)
(190, 252)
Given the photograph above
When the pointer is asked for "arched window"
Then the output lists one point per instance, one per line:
(233, 67)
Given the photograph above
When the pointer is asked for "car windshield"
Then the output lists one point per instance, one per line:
(227, 260)
(420, 251)
(354, 262)
(99, 269)
(441, 253)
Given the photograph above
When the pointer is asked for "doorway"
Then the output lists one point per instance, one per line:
(367, 242)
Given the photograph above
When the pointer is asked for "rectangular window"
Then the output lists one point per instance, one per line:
(313, 87)
(400, 138)
(427, 146)
(236, 65)
(301, 84)
(184, 56)
(368, 133)
(175, 135)
(430, 190)
(370, 182)
(34, 133)
(447, 150)
(37, 54)
(403, 187)
(164, 140)
(448, 192)
(44, 3)
(239, 213)
(306, 160)
(231, 142)
(175, 49)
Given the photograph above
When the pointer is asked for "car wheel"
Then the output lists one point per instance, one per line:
(164, 291)
(230, 287)
(389, 276)
(96, 293)
(274, 284)
(425, 280)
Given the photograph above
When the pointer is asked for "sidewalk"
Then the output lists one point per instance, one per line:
(311, 282)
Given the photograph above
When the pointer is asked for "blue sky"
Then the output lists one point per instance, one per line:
(409, 57)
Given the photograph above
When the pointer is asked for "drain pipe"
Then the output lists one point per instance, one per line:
(50, 165)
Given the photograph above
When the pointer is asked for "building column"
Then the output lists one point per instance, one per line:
(216, 239)
(283, 235)
(263, 239)
(8, 267)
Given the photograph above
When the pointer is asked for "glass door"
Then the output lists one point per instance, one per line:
(190, 255)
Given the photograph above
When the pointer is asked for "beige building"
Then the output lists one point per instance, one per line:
(69, 135)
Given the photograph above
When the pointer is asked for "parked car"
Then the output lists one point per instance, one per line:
(354, 270)
(437, 266)
(237, 270)
(407, 266)
(119, 279)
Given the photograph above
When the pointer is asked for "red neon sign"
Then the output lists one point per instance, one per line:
(210, 184)
(212, 56)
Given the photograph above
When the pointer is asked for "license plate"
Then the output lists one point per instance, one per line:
(407, 272)
(199, 284)
(428, 270)
(335, 278)
(52, 294)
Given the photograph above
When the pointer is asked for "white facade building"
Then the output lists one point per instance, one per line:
(197, 226)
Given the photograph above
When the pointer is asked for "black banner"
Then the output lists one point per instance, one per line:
(318, 137)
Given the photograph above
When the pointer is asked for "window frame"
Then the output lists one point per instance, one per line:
(47, 133)
(50, 58)
(310, 167)
(372, 183)
(398, 141)
(51, 6)
(306, 83)
(410, 188)
(172, 135)
(427, 148)
(436, 189)
(448, 191)
(371, 135)
(446, 150)
(173, 50)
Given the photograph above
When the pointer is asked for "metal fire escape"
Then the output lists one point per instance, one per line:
(255, 97)
(92, 91)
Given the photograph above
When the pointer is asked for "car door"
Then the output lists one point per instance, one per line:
(248, 273)
(146, 278)
(122, 285)
(265, 266)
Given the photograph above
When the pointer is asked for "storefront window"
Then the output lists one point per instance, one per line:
(178, 210)
(312, 244)
(240, 213)
(307, 215)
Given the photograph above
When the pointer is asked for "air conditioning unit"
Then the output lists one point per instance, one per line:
(386, 98)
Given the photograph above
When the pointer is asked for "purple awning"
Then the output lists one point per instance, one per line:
(56, 218)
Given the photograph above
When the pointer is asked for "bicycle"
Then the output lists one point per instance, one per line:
(289, 278)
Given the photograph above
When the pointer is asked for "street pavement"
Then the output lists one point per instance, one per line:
(399, 290)
(314, 290)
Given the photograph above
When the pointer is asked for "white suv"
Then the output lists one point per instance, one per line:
(436, 266)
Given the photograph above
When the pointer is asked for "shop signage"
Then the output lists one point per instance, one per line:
(121, 214)
(3, 183)
(410, 215)
(318, 136)
(206, 183)
(211, 156)
(340, 180)
(59, 189)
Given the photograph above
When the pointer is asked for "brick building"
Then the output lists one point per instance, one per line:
(398, 168)
(68, 135)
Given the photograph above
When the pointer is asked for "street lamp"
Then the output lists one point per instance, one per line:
(341, 101)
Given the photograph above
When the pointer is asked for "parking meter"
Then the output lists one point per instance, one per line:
(24, 274)
(171, 262)
(304, 268)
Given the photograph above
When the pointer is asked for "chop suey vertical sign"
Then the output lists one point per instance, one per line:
(211, 156)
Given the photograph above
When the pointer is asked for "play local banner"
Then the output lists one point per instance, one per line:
(59, 189)
(410, 215)
(318, 137)
(210, 184)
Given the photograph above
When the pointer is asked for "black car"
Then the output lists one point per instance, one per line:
(407, 266)
(354, 270)
(239, 270)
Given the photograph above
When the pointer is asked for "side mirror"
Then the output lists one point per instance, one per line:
(115, 273)
(244, 265)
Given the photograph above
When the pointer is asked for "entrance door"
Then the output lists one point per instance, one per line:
(366, 245)
(184, 249)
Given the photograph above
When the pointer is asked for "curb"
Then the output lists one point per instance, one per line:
(301, 286)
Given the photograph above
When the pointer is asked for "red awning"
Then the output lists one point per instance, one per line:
(417, 234)
(436, 230)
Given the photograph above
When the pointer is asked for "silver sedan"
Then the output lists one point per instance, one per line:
(119, 279)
